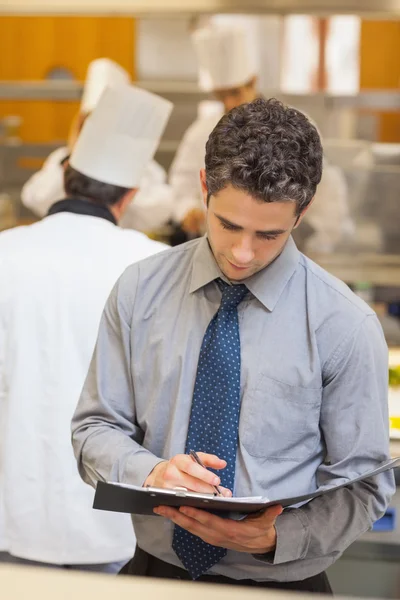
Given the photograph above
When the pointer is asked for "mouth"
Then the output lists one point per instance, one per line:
(237, 267)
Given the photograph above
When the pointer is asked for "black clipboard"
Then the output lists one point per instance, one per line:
(141, 501)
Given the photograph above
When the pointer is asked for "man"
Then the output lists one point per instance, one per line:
(56, 275)
(238, 346)
(227, 69)
(153, 202)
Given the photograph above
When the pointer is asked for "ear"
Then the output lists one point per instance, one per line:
(301, 216)
(127, 198)
(119, 208)
(125, 201)
(203, 184)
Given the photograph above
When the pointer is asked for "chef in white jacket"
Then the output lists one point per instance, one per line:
(228, 69)
(153, 204)
(55, 278)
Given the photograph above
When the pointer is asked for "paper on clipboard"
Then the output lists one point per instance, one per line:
(184, 493)
(133, 499)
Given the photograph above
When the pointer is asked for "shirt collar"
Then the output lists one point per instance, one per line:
(205, 268)
(266, 285)
(82, 206)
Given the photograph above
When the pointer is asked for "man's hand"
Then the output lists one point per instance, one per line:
(193, 221)
(254, 535)
(183, 471)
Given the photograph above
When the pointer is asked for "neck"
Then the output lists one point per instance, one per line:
(116, 212)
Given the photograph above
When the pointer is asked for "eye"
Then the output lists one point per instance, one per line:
(267, 236)
(229, 227)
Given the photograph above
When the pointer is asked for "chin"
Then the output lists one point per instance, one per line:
(235, 275)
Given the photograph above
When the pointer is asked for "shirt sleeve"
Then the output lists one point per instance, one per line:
(2, 375)
(355, 425)
(185, 170)
(3, 412)
(46, 186)
(150, 209)
(105, 434)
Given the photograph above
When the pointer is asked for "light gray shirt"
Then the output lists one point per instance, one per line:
(314, 375)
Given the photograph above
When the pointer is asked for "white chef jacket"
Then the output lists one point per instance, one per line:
(184, 176)
(329, 215)
(55, 278)
(3, 533)
(149, 210)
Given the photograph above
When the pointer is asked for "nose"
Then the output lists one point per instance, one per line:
(242, 252)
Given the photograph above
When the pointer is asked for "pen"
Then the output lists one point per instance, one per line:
(197, 459)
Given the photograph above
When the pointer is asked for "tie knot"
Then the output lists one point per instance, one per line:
(232, 295)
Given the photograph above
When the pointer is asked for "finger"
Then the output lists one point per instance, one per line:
(165, 511)
(241, 532)
(186, 464)
(194, 484)
(191, 525)
(176, 478)
(273, 512)
(212, 461)
(226, 533)
(225, 492)
(201, 516)
(195, 471)
(230, 534)
(268, 515)
(226, 528)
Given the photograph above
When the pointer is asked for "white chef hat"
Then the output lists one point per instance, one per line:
(224, 56)
(121, 135)
(101, 73)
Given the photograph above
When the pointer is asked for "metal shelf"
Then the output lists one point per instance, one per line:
(40, 90)
(387, 100)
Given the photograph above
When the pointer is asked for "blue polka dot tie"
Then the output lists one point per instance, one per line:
(214, 419)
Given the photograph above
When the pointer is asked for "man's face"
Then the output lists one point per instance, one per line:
(233, 97)
(245, 234)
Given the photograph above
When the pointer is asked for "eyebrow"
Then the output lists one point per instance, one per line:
(239, 227)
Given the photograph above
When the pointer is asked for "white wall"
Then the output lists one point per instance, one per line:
(165, 51)
(343, 55)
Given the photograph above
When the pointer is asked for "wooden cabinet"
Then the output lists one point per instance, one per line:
(32, 48)
(380, 69)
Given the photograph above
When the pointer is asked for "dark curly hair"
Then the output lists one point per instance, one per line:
(76, 184)
(267, 149)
